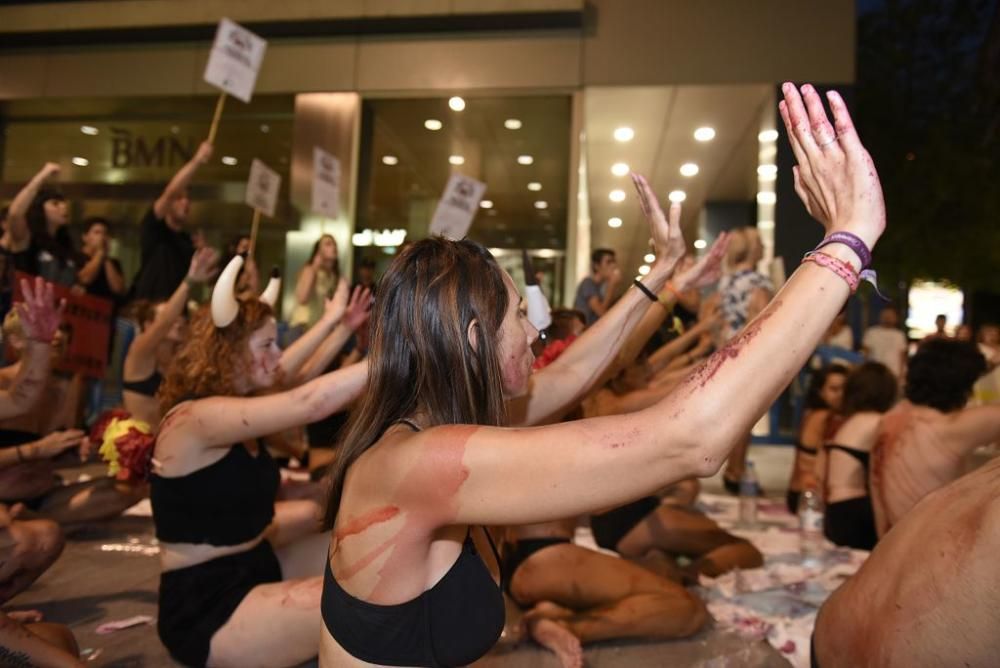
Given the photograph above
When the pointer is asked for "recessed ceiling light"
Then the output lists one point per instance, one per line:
(80, 162)
(768, 135)
(456, 103)
(767, 170)
(619, 169)
(390, 160)
(617, 195)
(456, 159)
(643, 270)
(512, 124)
(175, 129)
(541, 204)
(534, 186)
(525, 159)
(765, 224)
(689, 169)
(766, 198)
(88, 130)
(265, 128)
(433, 124)
(486, 204)
(704, 133)
(229, 160)
(677, 196)
(648, 258)
(614, 222)
(624, 133)
(700, 244)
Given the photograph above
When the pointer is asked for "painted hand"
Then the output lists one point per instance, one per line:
(40, 316)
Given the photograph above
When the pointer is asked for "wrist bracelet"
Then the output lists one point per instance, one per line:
(860, 249)
(672, 290)
(839, 267)
(646, 291)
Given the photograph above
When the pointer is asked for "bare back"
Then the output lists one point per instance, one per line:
(929, 595)
(916, 452)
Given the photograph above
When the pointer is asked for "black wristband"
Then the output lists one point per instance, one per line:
(646, 291)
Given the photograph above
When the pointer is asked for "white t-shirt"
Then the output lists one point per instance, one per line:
(886, 345)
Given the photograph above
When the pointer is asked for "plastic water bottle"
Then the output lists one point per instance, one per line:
(811, 525)
(749, 491)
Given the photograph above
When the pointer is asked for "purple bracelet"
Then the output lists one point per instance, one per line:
(861, 249)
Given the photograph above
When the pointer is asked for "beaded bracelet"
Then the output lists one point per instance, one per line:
(839, 267)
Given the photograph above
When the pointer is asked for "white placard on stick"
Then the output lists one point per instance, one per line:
(457, 207)
(235, 60)
(262, 188)
(326, 183)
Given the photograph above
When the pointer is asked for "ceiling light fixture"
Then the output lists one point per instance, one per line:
(619, 169)
(704, 133)
(768, 136)
(700, 244)
(525, 159)
(677, 196)
(433, 124)
(512, 124)
(229, 160)
(615, 222)
(766, 198)
(766, 171)
(390, 160)
(486, 204)
(265, 128)
(689, 169)
(649, 258)
(456, 159)
(88, 130)
(80, 162)
(624, 133)
(534, 186)
(456, 103)
(541, 204)
(617, 195)
(643, 270)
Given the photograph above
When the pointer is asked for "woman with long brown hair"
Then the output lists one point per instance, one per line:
(426, 456)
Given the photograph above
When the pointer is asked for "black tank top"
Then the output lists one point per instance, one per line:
(226, 503)
(453, 623)
(147, 386)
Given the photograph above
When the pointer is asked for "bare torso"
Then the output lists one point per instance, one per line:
(915, 454)
(844, 476)
(929, 595)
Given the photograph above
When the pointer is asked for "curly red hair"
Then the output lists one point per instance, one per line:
(209, 361)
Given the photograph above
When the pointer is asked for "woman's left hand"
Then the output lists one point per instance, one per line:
(668, 241)
(359, 308)
(708, 270)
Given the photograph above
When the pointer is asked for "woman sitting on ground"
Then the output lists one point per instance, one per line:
(819, 422)
(869, 392)
(426, 457)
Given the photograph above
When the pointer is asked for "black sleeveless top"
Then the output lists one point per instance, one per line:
(226, 503)
(453, 623)
(147, 386)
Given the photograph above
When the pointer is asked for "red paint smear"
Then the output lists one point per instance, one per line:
(731, 350)
(364, 562)
(358, 524)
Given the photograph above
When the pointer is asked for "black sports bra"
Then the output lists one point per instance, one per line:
(861, 456)
(453, 623)
(147, 386)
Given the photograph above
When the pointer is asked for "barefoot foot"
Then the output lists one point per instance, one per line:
(556, 638)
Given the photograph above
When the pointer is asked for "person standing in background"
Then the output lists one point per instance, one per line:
(596, 292)
(99, 275)
(316, 283)
(886, 343)
(165, 245)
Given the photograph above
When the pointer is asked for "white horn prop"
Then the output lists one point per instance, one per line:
(539, 313)
(224, 304)
(270, 294)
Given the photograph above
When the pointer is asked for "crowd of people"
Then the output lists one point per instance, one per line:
(474, 448)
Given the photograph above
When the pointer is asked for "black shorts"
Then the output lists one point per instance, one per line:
(851, 523)
(517, 553)
(610, 527)
(197, 601)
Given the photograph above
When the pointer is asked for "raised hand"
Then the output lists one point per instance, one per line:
(359, 308)
(204, 152)
(203, 264)
(40, 316)
(835, 176)
(334, 308)
(708, 270)
(668, 241)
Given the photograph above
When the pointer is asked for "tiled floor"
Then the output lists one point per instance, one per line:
(104, 575)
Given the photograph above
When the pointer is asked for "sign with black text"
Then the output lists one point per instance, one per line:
(235, 60)
(326, 183)
(262, 188)
(457, 207)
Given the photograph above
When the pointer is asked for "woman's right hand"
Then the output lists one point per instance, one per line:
(40, 316)
(56, 443)
(203, 264)
(335, 307)
(835, 176)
